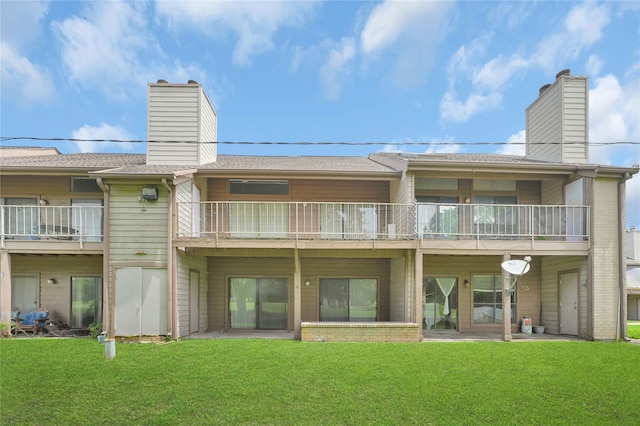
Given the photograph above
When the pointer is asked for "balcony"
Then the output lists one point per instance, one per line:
(61, 223)
(375, 221)
(296, 221)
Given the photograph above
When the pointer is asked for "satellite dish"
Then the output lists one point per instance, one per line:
(516, 267)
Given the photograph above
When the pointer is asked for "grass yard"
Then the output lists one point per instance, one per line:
(633, 329)
(244, 381)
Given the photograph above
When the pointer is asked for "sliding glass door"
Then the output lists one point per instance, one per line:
(258, 303)
(440, 303)
(343, 299)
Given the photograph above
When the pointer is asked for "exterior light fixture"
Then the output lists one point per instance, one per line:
(52, 281)
(466, 283)
(307, 283)
(150, 193)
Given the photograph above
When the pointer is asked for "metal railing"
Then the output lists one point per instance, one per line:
(297, 220)
(70, 223)
(370, 221)
(496, 221)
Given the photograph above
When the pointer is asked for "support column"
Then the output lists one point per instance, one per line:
(297, 297)
(506, 302)
(5, 286)
(418, 287)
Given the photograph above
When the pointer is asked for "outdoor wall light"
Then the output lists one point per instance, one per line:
(51, 281)
(43, 202)
(150, 193)
(307, 283)
(466, 283)
(467, 200)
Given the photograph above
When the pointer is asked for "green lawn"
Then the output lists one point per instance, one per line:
(633, 329)
(245, 381)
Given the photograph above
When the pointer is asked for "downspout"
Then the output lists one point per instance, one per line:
(621, 327)
(106, 279)
(171, 270)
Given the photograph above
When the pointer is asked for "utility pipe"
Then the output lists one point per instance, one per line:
(171, 270)
(621, 326)
(106, 279)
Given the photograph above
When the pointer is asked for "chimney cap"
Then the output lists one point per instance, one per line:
(544, 88)
(563, 72)
(161, 81)
(192, 82)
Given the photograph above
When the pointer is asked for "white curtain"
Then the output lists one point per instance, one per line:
(446, 285)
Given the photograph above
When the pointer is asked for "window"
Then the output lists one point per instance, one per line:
(20, 217)
(495, 215)
(348, 299)
(81, 184)
(86, 301)
(439, 303)
(259, 187)
(258, 303)
(488, 300)
(87, 219)
(439, 218)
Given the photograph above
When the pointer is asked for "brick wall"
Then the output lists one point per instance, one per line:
(360, 332)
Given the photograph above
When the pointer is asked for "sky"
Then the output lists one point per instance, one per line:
(413, 76)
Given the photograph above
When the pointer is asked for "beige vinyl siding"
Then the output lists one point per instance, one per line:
(57, 297)
(528, 192)
(551, 192)
(179, 117)
(56, 190)
(185, 264)
(399, 304)
(552, 266)
(557, 119)
(313, 269)
(137, 226)
(606, 257)
(575, 121)
(184, 194)
(173, 114)
(208, 130)
(311, 190)
(402, 190)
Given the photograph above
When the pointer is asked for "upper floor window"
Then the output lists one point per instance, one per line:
(436, 184)
(494, 185)
(82, 184)
(259, 187)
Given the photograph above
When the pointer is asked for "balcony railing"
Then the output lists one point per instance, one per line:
(272, 220)
(70, 223)
(495, 221)
(370, 221)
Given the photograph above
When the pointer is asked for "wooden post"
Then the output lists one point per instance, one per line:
(297, 297)
(506, 302)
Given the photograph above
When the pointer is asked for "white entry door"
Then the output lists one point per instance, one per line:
(141, 302)
(194, 305)
(24, 293)
(569, 303)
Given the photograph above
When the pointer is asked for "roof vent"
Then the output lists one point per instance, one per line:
(192, 82)
(544, 88)
(162, 81)
(563, 72)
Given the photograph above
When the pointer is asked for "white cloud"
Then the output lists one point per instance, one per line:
(21, 22)
(594, 66)
(22, 81)
(253, 23)
(412, 29)
(110, 49)
(106, 132)
(515, 144)
(582, 27)
(336, 67)
(456, 111)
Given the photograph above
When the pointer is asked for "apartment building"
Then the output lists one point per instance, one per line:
(392, 246)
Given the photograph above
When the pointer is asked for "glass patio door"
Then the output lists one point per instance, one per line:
(86, 301)
(258, 303)
(348, 300)
(440, 303)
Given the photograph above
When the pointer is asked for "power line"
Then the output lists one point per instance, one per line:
(305, 143)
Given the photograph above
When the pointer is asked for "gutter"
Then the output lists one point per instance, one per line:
(171, 267)
(106, 317)
(621, 327)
